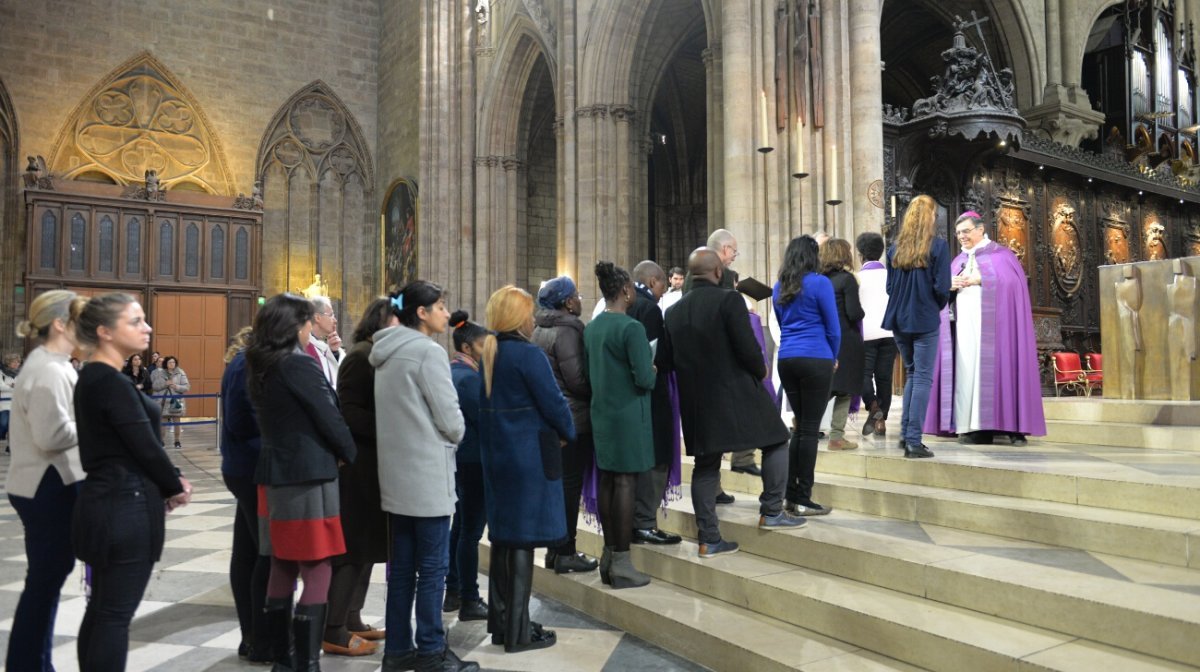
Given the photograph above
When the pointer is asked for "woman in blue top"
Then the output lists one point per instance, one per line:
(918, 285)
(808, 347)
(470, 516)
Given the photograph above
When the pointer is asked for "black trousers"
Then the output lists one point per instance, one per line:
(877, 373)
(807, 381)
(118, 586)
(576, 455)
(248, 571)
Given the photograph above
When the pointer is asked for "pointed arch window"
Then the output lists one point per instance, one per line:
(49, 232)
(216, 253)
(166, 248)
(78, 258)
(133, 246)
(241, 254)
(106, 244)
(191, 251)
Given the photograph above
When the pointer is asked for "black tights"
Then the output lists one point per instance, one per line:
(615, 501)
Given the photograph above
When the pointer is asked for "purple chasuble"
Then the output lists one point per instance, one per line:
(1010, 391)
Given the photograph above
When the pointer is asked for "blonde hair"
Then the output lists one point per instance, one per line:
(240, 340)
(836, 255)
(45, 309)
(916, 234)
(98, 311)
(508, 309)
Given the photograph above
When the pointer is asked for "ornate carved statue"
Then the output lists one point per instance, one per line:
(1156, 247)
(37, 176)
(152, 185)
(1181, 330)
(969, 82)
(1129, 302)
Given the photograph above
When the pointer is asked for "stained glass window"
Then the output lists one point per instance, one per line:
(191, 251)
(241, 254)
(133, 246)
(78, 242)
(49, 240)
(106, 244)
(166, 248)
(217, 253)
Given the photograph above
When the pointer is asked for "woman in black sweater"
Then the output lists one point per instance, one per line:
(119, 519)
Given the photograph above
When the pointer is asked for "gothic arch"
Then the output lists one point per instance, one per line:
(319, 210)
(12, 230)
(140, 117)
(500, 120)
(606, 68)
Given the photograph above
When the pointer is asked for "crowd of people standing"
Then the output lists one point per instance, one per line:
(394, 452)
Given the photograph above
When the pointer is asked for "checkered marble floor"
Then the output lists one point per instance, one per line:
(186, 621)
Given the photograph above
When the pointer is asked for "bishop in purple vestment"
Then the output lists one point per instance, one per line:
(986, 380)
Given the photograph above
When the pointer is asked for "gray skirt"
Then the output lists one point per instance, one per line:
(300, 522)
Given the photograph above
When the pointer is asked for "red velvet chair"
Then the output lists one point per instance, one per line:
(1094, 371)
(1068, 373)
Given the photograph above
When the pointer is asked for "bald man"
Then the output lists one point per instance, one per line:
(709, 344)
(651, 283)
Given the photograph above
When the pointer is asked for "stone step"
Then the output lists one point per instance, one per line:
(1098, 410)
(1097, 484)
(1164, 539)
(1145, 619)
(916, 630)
(704, 629)
(1124, 434)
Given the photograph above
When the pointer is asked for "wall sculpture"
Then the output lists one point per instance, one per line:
(139, 119)
(1116, 234)
(1154, 243)
(1066, 249)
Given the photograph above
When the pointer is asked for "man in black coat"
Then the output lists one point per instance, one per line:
(651, 283)
(723, 406)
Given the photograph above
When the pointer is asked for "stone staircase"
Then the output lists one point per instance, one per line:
(1046, 557)
(1113, 422)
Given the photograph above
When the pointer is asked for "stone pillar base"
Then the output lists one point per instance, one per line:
(1065, 115)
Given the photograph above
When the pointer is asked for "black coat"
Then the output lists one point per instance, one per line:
(645, 310)
(364, 524)
(719, 367)
(560, 335)
(848, 379)
(303, 434)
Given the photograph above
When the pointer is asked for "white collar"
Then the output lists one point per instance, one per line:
(982, 243)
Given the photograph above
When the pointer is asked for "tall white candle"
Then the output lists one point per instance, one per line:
(893, 206)
(798, 169)
(764, 141)
(833, 178)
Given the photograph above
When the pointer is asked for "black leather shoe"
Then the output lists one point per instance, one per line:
(918, 450)
(445, 661)
(549, 561)
(975, 438)
(401, 663)
(655, 536)
(451, 603)
(724, 498)
(1017, 439)
(540, 638)
(577, 562)
(752, 470)
(903, 445)
(473, 610)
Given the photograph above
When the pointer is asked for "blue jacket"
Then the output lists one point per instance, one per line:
(240, 440)
(469, 384)
(917, 296)
(520, 426)
(808, 326)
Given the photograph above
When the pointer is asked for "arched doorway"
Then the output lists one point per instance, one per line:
(537, 187)
(677, 133)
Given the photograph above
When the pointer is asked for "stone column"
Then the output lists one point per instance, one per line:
(714, 104)
(565, 127)
(866, 114)
(1053, 54)
(739, 100)
(1068, 12)
(1065, 114)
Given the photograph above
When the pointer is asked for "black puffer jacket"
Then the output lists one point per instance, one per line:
(560, 335)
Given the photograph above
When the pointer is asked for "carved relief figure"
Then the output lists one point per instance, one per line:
(1156, 245)
(1011, 230)
(1181, 330)
(1065, 244)
(1116, 243)
(1129, 303)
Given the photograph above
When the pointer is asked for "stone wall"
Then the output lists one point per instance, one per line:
(399, 92)
(541, 235)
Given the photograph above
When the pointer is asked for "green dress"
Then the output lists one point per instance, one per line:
(621, 371)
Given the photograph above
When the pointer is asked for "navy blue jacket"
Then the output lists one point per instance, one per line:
(917, 296)
(469, 384)
(240, 440)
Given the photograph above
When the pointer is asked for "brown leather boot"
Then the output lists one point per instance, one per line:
(881, 426)
(873, 414)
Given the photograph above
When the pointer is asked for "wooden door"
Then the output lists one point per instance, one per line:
(191, 327)
(89, 292)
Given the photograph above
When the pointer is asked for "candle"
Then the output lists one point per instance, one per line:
(798, 168)
(833, 178)
(762, 108)
(893, 206)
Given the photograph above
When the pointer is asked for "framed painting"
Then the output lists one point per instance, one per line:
(398, 244)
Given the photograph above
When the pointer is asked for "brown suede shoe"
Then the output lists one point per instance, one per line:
(881, 427)
(842, 444)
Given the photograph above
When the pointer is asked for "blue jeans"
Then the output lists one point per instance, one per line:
(420, 558)
(47, 522)
(4, 424)
(919, 352)
(470, 517)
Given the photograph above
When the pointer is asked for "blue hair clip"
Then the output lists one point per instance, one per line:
(398, 302)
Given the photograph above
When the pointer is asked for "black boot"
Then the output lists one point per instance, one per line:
(279, 630)
(497, 593)
(446, 661)
(519, 633)
(308, 626)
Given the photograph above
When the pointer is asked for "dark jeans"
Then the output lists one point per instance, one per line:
(420, 558)
(706, 483)
(470, 517)
(807, 381)
(877, 373)
(4, 424)
(919, 352)
(577, 456)
(118, 586)
(47, 522)
(248, 571)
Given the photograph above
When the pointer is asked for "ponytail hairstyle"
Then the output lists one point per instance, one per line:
(613, 279)
(508, 309)
(414, 295)
(45, 309)
(276, 335)
(99, 311)
(465, 331)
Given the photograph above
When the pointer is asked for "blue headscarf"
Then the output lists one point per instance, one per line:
(556, 292)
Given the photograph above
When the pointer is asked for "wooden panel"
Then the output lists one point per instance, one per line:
(192, 327)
